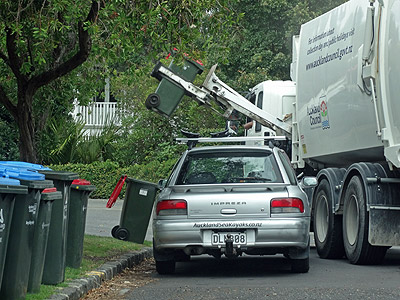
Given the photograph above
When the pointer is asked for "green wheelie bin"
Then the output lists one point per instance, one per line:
(80, 191)
(9, 188)
(20, 242)
(41, 235)
(136, 211)
(168, 94)
(55, 260)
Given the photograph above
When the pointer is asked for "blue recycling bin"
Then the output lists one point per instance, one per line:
(21, 234)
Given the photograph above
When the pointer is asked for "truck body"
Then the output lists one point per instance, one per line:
(345, 127)
(337, 119)
(342, 126)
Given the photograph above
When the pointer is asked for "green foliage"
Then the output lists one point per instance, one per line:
(8, 137)
(64, 141)
(53, 52)
(261, 50)
(105, 175)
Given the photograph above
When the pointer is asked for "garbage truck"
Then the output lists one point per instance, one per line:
(343, 125)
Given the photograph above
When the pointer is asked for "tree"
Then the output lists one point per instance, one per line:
(67, 43)
(262, 48)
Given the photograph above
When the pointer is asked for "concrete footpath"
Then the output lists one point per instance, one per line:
(99, 221)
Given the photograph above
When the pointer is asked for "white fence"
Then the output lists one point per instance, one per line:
(96, 115)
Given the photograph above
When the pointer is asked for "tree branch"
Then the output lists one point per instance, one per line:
(7, 103)
(14, 60)
(85, 45)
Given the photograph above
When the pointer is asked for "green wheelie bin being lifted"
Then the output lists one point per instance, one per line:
(168, 94)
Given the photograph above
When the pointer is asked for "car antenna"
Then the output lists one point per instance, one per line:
(191, 135)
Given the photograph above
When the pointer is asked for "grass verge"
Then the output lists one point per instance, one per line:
(96, 251)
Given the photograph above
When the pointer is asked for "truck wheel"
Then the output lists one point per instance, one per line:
(327, 226)
(300, 265)
(355, 227)
(165, 267)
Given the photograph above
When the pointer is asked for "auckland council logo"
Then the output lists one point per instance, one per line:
(324, 114)
(318, 114)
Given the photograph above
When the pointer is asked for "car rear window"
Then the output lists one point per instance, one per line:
(229, 167)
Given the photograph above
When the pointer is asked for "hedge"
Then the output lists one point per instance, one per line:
(105, 175)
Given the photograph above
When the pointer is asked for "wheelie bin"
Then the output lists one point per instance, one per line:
(55, 260)
(80, 191)
(136, 211)
(168, 94)
(41, 235)
(9, 188)
(20, 241)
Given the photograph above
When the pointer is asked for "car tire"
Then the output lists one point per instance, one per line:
(300, 265)
(355, 227)
(165, 267)
(328, 234)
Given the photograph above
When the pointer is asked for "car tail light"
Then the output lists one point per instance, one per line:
(287, 205)
(171, 207)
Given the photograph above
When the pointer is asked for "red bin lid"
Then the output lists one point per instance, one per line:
(81, 181)
(49, 190)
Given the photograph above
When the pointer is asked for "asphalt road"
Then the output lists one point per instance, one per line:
(250, 278)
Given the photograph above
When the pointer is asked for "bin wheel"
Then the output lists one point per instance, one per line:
(153, 100)
(122, 234)
(114, 231)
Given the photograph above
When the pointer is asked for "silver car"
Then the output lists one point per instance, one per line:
(232, 200)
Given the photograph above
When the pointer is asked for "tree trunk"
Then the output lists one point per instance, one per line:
(25, 123)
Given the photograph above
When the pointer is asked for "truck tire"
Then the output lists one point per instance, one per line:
(327, 226)
(355, 227)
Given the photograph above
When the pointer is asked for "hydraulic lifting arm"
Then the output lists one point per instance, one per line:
(214, 89)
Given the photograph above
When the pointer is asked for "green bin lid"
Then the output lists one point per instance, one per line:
(141, 182)
(59, 175)
(13, 189)
(37, 184)
(51, 194)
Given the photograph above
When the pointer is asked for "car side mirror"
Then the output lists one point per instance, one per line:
(309, 182)
(162, 183)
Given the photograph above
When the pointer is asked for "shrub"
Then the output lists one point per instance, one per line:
(105, 175)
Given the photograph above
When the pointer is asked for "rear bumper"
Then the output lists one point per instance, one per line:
(271, 233)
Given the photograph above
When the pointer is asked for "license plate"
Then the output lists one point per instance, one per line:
(219, 238)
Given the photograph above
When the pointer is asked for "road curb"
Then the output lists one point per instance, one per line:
(78, 288)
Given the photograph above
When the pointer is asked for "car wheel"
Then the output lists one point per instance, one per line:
(355, 227)
(327, 226)
(165, 267)
(300, 265)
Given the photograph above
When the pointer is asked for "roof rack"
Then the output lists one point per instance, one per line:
(191, 142)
